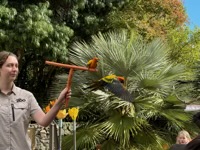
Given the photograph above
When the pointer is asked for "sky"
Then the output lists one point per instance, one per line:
(193, 11)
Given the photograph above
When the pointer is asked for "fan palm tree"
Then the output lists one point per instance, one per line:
(155, 114)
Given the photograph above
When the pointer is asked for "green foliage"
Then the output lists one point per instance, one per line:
(85, 17)
(33, 29)
(34, 37)
(185, 45)
(156, 113)
(150, 18)
(196, 83)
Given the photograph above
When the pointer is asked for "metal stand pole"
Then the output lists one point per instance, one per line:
(51, 143)
(60, 134)
(74, 130)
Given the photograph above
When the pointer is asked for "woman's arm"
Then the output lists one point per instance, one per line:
(45, 119)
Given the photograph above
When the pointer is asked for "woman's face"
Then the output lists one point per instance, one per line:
(9, 70)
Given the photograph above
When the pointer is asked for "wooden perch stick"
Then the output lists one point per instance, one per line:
(70, 66)
(71, 71)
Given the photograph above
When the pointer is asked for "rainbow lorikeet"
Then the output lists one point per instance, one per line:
(115, 85)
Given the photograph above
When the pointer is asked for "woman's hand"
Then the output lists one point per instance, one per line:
(64, 97)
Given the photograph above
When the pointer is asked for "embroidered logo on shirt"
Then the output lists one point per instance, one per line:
(20, 100)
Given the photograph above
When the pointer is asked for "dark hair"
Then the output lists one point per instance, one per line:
(4, 56)
(194, 144)
(196, 119)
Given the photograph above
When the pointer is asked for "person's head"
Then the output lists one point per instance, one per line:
(183, 137)
(8, 66)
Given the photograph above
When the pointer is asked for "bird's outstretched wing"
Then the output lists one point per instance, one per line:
(117, 88)
(113, 84)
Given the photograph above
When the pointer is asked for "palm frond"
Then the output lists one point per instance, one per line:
(150, 77)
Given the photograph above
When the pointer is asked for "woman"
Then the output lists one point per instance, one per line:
(17, 106)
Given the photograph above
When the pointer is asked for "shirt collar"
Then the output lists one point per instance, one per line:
(14, 89)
